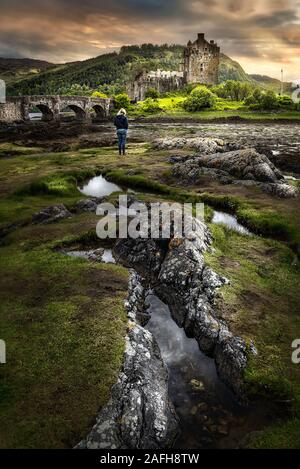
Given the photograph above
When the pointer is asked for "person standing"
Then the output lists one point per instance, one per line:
(121, 124)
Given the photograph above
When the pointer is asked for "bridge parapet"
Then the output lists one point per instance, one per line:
(17, 108)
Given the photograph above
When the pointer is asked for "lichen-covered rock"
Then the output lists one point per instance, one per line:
(144, 255)
(200, 144)
(139, 414)
(86, 205)
(245, 167)
(282, 190)
(51, 214)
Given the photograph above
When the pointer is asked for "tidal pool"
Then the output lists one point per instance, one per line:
(230, 221)
(98, 186)
(99, 255)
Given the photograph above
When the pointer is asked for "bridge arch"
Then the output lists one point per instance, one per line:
(97, 111)
(78, 111)
(44, 109)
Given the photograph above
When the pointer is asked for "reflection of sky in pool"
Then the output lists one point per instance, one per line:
(98, 187)
(193, 381)
(230, 221)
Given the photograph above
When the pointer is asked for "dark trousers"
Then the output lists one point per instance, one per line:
(122, 135)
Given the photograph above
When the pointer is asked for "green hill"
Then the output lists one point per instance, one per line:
(272, 83)
(115, 69)
(231, 70)
(12, 70)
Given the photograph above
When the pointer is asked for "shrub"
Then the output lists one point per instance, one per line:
(200, 98)
(150, 105)
(152, 93)
(98, 94)
(263, 100)
(122, 100)
(285, 101)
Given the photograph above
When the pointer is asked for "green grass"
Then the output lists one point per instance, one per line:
(64, 333)
(262, 304)
(172, 107)
(10, 149)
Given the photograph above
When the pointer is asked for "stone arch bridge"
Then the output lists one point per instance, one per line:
(17, 109)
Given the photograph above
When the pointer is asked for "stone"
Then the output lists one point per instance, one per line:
(51, 214)
(86, 205)
(139, 414)
(200, 144)
(244, 167)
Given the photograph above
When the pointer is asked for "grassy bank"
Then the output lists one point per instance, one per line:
(262, 303)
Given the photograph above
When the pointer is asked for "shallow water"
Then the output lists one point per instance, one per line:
(194, 385)
(106, 257)
(210, 415)
(230, 221)
(98, 186)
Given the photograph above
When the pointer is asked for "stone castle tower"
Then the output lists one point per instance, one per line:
(201, 61)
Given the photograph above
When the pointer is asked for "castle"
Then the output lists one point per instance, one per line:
(200, 65)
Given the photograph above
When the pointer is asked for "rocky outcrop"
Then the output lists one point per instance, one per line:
(180, 277)
(51, 214)
(200, 144)
(139, 414)
(239, 167)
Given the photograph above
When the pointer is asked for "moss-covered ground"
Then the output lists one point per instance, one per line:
(63, 319)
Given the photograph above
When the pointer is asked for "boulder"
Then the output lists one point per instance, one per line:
(86, 205)
(245, 167)
(51, 214)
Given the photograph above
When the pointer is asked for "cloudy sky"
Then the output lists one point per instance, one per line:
(263, 35)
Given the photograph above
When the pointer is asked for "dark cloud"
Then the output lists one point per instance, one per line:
(256, 32)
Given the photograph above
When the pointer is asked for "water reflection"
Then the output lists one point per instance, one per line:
(230, 221)
(98, 186)
(203, 403)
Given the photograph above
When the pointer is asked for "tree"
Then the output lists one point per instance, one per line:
(200, 98)
(269, 101)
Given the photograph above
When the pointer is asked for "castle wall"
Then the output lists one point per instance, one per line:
(163, 82)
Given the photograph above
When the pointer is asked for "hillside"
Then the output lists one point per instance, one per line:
(271, 83)
(12, 70)
(114, 70)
